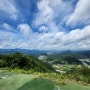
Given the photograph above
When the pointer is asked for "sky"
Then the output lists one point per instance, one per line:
(45, 24)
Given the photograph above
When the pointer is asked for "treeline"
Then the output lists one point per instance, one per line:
(26, 62)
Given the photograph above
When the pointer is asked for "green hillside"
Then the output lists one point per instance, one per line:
(72, 85)
(65, 58)
(26, 62)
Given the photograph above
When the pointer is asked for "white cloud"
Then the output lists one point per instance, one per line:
(8, 7)
(52, 11)
(81, 14)
(6, 26)
(43, 28)
(77, 35)
(75, 39)
(49, 21)
(57, 38)
(44, 36)
(8, 39)
(46, 15)
(25, 29)
(45, 12)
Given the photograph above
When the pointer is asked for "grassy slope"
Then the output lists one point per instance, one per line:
(23, 82)
(31, 82)
(72, 85)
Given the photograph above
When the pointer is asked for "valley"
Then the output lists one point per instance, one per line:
(42, 71)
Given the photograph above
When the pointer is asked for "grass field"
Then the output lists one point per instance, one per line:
(72, 85)
(9, 81)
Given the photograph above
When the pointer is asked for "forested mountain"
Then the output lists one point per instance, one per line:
(77, 54)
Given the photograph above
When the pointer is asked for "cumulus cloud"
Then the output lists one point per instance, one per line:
(44, 36)
(9, 39)
(81, 13)
(43, 28)
(8, 7)
(45, 12)
(50, 28)
(75, 39)
(51, 12)
(24, 29)
(6, 26)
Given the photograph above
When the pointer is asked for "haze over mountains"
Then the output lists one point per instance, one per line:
(44, 52)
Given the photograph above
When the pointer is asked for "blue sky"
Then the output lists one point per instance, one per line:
(45, 24)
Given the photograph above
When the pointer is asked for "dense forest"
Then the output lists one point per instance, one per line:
(26, 62)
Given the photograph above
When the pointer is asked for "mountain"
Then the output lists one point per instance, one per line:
(86, 53)
(77, 54)
(24, 51)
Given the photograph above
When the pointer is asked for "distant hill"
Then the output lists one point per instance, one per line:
(70, 57)
(24, 51)
(65, 58)
(82, 53)
(86, 53)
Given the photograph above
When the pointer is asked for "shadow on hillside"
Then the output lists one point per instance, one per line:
(38, 84)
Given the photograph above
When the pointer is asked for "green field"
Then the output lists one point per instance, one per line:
(9, 81)
(72, 85)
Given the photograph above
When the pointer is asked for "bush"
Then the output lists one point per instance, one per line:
(80, 74)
